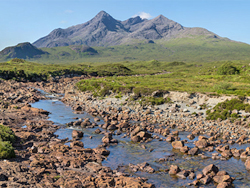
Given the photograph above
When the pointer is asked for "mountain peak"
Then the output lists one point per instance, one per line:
(102, 14)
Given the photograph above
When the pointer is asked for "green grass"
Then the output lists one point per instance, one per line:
(187, 77)
(189, 49)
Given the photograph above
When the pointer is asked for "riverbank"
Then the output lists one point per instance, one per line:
(143, 123)
(44, 160)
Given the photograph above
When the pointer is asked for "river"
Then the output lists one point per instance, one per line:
(127, 152)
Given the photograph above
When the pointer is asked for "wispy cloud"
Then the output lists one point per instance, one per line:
(63, 22)
(68, 11)
(143, 15)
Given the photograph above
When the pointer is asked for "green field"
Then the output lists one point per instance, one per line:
(190, 49)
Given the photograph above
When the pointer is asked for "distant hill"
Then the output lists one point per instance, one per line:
(22, 50)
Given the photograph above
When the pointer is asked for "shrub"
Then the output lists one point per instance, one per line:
(227, 69)
(222, 86)
(6, 150)
(6, 134)
(223, 110)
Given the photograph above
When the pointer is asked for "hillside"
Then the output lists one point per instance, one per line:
(22, 50)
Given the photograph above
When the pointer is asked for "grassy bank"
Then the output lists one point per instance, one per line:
(217, 77)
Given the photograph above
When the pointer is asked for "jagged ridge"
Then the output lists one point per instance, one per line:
(104, 30)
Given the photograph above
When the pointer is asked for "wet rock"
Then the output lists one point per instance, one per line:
(76, 143)
(184, 149)
(101, 151)
(97, 131)
(174, 169)
(191, 176)
(227, 154)
(191, 137)
(247, 164)
(199, 176)
(193, 151)
(195, 183)
(210, 169)
(177, 144)
(170, 139)
(206, 180)
(224, 185)
(183, 174)
(77, 134)
(136, 138)
(222, 178)
(201, 143)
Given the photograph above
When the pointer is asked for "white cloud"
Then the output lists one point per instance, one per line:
(143, 15)
(68, 11)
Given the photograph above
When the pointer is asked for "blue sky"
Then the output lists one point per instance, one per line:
(29, 20)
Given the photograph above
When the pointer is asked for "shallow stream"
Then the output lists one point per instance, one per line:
(127, 152)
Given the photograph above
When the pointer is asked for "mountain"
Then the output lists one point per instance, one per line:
(104, 30)
(22, 50)
(105, 39)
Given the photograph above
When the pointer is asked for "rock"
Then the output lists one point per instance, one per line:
(136, 138)
(174, 169)
(247, 164)
(199, 176)
(206, 180)
(184, 149)
(77, 134)
(193, 151)
(191, 176)
(177, 144)
(227, 154)
(191, 137)
(97, 131)
(183, 174)
(210, 169)
(201, 143)
(195, 183)
(144, 134)
(76, 143)
(224, 185)
(101, 151)
(223, 178)
(170, 139)
(148, 111)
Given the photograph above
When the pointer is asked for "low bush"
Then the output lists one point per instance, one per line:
(7, 137)
(6, 134)
(227, 69)
(6, 150)
(224, 110)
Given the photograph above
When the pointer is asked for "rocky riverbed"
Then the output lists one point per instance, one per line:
(196, 151)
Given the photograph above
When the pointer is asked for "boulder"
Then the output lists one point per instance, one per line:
(77, 134)
(210, 169)
(178, 144)
(174, 169)
(201, 143)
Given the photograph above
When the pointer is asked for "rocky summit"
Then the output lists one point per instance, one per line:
(104, 30)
